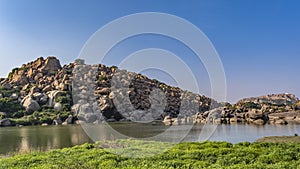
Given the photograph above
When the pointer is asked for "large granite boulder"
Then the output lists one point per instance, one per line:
(51, 64)
(31, 105)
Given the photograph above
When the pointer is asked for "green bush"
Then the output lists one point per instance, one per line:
(251, 105)
(19, 114)
(10, 75)
(7, 92)
(21, 121)
(65, 100)
(11, 107)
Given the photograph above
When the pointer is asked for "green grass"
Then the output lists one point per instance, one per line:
(280, 139)
(183, 155)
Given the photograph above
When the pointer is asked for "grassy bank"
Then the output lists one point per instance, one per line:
(280, 139)
(183, 155)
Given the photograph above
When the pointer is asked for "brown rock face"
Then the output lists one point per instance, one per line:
(35, 71)
(37, 63)
(51, 64)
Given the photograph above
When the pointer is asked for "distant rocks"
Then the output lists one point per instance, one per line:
(285, 118)
(272, 99)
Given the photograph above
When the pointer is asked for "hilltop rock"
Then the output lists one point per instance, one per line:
(35, 70)
(51, 64)
(272, 99)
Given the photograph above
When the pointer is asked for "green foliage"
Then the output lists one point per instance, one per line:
(11, 107)
(65, 100)
(251, 105)
(52, 73)
(184, 155)
(39, 117)
(19, 113)
(7, 92)
(10, 75)
(102, 77)
(21, 121)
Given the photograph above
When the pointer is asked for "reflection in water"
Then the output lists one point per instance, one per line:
(239, 133)
(41, 138)
(24, 145)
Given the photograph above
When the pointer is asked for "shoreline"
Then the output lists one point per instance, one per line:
(157, 122)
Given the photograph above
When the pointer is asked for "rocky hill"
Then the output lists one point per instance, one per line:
(44, 92)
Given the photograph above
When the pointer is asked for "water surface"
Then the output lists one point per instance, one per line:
(24, 139)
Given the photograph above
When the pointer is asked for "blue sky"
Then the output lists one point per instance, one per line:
(257, 41)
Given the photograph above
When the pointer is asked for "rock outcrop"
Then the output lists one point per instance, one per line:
(93, 93)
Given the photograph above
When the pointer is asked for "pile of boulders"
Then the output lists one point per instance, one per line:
(106, 93)
(85, 102)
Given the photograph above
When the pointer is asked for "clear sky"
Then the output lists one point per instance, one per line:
(257, 41)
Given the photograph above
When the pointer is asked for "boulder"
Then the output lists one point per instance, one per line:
(14, 96)
(63, 86)
(58, 107)
(75, 109)
(6, 86)
(214, 115)
(3, 114)
(57, 121)
(297, 119)
(254, 115)
(69, 120)
(168, 120)
(34, 89)
(103, 91)
(37, 96)
(234, 120)
(47, 89)
(52, 95)
(51, 65)
(31, 105)
(5, 122)
(104, 103)
(43, 99)
(38, 76)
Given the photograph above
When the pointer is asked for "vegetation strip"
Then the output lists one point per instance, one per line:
(183, 155)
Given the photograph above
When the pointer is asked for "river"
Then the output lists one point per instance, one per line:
(41, 138)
